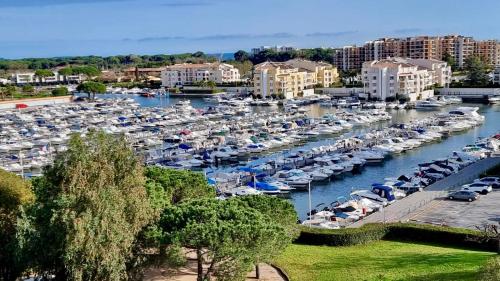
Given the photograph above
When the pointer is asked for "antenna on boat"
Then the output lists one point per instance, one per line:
(21, 162)
(309, 191)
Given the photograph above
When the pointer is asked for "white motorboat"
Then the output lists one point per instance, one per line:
(426, 104)
(494, 99)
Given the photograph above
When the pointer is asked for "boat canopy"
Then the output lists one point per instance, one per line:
(249, 170)
(262, 186)
(184, 146)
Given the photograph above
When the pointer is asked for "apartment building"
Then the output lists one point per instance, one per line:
(412, 78)
(278, 49)
(350, 57)
(488, 51)
(440, 70)
(23, 78)
(325, 74)
(496, 76)
(292, 78)
(138, 73)
(279, 78)
(188, 73)
(421, 47)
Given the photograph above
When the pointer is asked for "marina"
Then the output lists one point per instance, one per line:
(246, 149)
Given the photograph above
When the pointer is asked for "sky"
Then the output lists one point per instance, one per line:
(48, 28)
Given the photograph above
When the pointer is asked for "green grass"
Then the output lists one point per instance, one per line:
(381, 260)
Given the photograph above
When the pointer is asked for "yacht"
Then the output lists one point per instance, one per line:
(428, 104)
(494, 99)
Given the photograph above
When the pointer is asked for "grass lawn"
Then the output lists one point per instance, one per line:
(382, 260)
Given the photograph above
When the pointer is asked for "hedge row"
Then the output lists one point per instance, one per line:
(456, 237)
(341, 237)
(201, 91)
(493, 172)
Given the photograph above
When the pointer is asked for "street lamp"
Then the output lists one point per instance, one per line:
(310, 209)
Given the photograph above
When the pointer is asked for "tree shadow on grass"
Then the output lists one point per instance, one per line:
(435, 244)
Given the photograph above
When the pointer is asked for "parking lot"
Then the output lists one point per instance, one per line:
(441, 211)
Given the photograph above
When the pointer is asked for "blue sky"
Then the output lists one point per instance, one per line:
(42, 28)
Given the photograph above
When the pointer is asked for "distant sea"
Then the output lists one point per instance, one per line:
(225, 56)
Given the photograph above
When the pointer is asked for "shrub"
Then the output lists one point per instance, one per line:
(201, 91)
(341, 237)
(455, 237)
(450, 236)
(60, 91)
(495, 171)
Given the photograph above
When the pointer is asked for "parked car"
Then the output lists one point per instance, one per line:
(478, 187)
(463, 195)
(493, 181)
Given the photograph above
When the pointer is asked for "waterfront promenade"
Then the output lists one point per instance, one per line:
(402, 209)
(11, 104)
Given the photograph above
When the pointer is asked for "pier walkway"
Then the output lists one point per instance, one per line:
(404, 207)
(11, 104)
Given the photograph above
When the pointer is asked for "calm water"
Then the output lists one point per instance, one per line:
(154, 101)
(397, 165)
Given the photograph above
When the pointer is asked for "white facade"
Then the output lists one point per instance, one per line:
(440, 70)
(186, 73)
(496, 76)
(24, 78)
(31, 78)
(393, 77)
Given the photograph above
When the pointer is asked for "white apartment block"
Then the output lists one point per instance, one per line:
(187, 73)
(496, 76)
(74, 78)
(31, 78)
(394, 77)
(24, 78)
(278, 49)
(293, 78)
(441, 70)
(323, 73)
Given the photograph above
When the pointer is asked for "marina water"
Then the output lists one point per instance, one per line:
(328, 192)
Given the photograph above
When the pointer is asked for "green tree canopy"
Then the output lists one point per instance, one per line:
(177, 185)
(91, 204)
(28, 89)
(244, 67)
(91, 88)
(228, 235)
(14, 193)
(44, 73)
(477, 72)
(60, 91)
(66, 71)
(279, 210)
(89, 71)
(450, 60)
(241, 56)
(8, 90)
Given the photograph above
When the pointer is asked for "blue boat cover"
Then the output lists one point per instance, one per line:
(184, 146)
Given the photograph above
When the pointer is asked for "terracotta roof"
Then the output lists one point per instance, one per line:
(132, 69)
